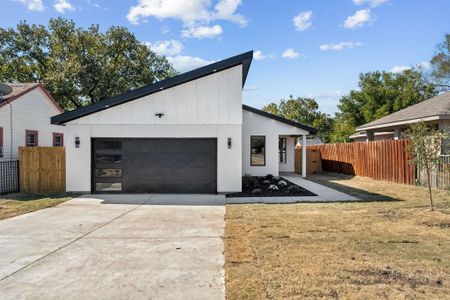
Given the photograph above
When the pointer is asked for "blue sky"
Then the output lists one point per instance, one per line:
(313, 48)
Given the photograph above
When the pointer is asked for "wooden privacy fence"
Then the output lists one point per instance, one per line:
(42, 169)
(380, 160)
(440, 175)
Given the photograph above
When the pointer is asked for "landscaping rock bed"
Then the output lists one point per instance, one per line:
(269, 186)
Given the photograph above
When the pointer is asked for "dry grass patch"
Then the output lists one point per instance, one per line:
(18, 204)
(395, 248)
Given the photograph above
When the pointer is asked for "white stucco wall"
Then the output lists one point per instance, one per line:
(254, 124)
(207, 107)
(32, 111)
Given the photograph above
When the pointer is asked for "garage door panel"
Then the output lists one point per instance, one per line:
(168, 145)
(157, 165)
(155, 175)
(170, 159)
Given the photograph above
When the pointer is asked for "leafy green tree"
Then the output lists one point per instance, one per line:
(305, 111)
(341, 130)
(440, 71)
(425, 150)
(380, 94)
(78, 66)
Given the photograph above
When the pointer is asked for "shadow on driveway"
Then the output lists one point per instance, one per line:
(157, 199)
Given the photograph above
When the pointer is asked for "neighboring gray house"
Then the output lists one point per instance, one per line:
(434, 111)
(186, 134)
(378, 136)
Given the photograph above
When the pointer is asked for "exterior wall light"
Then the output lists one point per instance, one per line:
(159, 115)
(77, 142)
(229, 143)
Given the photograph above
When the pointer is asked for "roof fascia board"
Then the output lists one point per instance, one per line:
(403, 122)
(310, 130)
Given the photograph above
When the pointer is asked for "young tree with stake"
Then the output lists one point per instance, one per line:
(425, 150)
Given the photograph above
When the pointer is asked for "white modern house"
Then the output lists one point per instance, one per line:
(186, 134)
(25, 120)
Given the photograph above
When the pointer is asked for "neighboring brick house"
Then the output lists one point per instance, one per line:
(25, 120)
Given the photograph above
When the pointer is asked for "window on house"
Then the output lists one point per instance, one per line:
(1, 141)
(58, 139)
(31, 138)
(258, 150)
(282, 150)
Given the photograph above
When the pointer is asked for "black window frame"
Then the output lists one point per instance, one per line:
(282, 150)
(251, 150)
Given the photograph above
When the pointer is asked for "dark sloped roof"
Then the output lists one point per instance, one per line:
(243, 59)
(280, 119)
(436, 106)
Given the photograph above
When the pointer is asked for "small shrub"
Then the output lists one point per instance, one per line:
(257, 192)
(293, 189)
(246, 187)
(266, 182)
(273, 188)
(282, 183)
(269, 176)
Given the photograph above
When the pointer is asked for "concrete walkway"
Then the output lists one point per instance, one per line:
(116, 247)
(324, 194)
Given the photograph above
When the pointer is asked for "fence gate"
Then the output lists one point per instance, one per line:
(42, 169)
(9, 177)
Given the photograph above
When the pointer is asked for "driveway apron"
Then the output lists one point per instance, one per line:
(116, 247)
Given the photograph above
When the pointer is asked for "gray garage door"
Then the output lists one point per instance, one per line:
(154, 165)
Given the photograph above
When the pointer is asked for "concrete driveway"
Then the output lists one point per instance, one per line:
(116, 247)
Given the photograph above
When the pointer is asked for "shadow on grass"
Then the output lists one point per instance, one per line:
(331, 180)
(31, 197)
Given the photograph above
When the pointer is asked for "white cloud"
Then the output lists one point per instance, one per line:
(340, 46)
(96, 5)
(202, 32)
(372, 3)
(259, 55)
(399, 69)
(359, 19)
(62, 6)
(34, 5)
(167, 48)
(303, 20)
(190, 12)
(290, 53)
(225, 10)
(424, 65)
(184, 63)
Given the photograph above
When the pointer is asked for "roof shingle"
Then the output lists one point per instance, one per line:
(436, 106)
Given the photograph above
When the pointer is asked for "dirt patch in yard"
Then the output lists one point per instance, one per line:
(371, 250)
(17, 204)
(389, 277)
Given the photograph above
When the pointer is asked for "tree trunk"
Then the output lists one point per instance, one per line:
(429, 189)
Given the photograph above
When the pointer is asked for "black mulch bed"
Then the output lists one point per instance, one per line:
(269, 186)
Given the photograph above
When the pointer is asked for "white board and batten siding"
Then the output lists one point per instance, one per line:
(257, 125)
(208, 107)
(32, 111)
